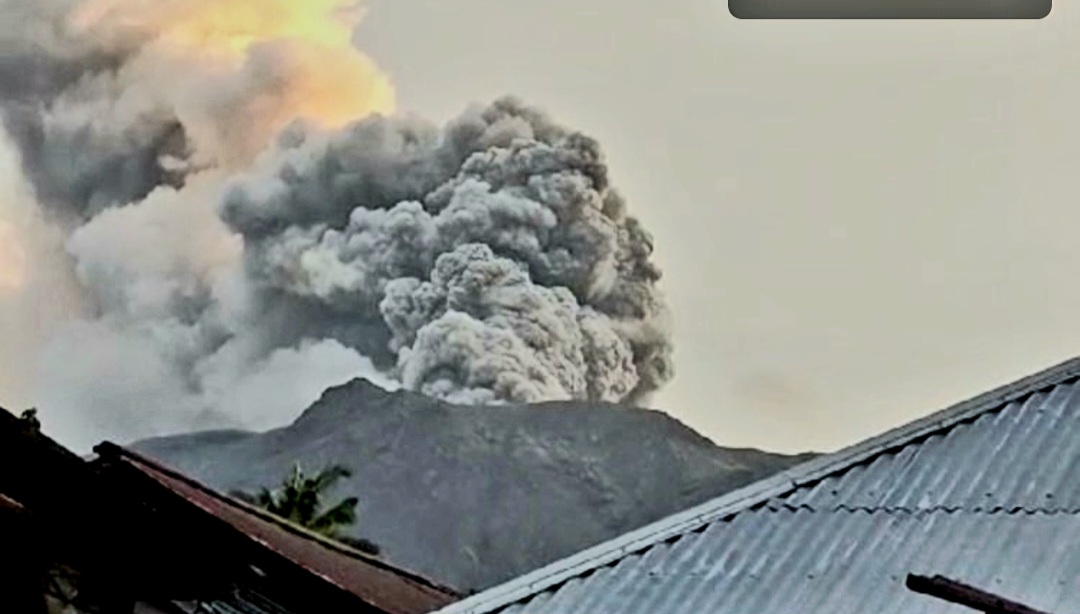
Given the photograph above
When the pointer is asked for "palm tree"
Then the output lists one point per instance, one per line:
(300, 500)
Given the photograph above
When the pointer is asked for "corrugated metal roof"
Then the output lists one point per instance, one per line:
(1023, 456)
(377, 583)
(842, 562)
(986, 492)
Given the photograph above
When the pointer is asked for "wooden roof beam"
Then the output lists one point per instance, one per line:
(955, 592)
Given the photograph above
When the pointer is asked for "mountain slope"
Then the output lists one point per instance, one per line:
(474, 495)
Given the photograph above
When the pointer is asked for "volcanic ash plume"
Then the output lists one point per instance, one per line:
(109, 99)
(243, 245)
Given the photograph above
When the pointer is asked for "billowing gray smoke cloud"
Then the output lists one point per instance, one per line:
(233, 274)
(489, 261)
(57, 89)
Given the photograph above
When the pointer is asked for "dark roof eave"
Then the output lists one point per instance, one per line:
(111, 453)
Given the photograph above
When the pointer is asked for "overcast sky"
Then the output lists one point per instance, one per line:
(860, 222)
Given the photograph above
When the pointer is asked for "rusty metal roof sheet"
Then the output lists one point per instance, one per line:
(374, 581)
(986, 492)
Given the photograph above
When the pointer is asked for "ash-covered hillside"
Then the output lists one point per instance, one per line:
(474, 495)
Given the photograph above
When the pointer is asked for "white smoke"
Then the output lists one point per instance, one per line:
(232, 275)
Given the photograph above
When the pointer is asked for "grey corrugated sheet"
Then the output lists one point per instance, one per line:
(837, 562)
(986, 492)
(1023, 456)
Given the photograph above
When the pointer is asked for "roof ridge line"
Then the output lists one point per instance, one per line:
(756, 493)
(920, 511)
(41, 435)
(109, 448)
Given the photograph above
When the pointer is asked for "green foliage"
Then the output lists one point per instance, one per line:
(301, 500)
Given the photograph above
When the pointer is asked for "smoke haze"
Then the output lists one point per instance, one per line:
(241, 222)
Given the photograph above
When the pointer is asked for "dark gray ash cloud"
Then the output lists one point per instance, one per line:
(231, 272)
(488, 261)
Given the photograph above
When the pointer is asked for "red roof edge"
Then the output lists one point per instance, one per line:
(110, 450)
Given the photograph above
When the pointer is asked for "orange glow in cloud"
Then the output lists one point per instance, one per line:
(292, 58)
(12, 258)
(222, 25)
(330, 85)
(236, 25)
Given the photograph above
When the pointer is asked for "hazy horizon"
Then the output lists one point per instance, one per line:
(859, 222)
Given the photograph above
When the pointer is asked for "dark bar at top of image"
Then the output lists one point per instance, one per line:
(889, 9)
